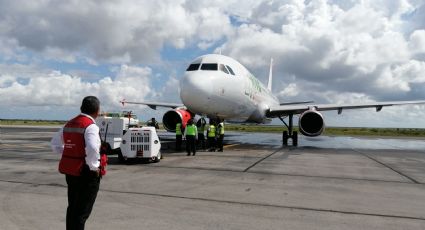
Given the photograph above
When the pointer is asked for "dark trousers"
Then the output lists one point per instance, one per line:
(211, 143)
(190, 144)
(201, 141)
(178, 142)
(82, 192)
(220, 142)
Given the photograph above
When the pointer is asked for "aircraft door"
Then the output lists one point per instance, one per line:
(248, 89)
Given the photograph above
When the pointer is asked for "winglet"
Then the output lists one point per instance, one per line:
(269, 85)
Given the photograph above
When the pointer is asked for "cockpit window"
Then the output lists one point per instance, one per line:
(222, 68)
(193, 67)
(230, 70)
(209, 66)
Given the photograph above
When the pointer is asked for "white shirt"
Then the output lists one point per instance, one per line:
(92, 140)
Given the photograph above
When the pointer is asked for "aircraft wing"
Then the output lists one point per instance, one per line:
(284, 110)
(153, 105)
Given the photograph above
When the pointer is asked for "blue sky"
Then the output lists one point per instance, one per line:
(52, 54)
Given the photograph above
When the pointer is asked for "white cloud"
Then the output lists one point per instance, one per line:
(401, 77)
(56, 88)
(290, 91)
(213, 24)
(125, 31)
(7, 80)
(400, 116)
(357, 48)
(417, 42)
(56, 54)
(170, 91)
(329, 51)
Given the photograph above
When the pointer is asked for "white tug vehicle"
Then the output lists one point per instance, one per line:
(126, 139)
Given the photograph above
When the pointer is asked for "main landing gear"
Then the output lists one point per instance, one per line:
(289, 133)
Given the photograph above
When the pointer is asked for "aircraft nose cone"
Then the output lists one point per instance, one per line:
(195, 90)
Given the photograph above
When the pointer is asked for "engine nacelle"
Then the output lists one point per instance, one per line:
(172, 117)
(311, 123)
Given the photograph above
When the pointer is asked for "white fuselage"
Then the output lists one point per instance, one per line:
(219, 86)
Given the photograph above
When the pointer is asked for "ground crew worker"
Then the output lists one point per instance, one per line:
(178, 136)
(220, 134)
(153, 123)
(211, 135)
(79, 143)
(201, 130)
(191, 134)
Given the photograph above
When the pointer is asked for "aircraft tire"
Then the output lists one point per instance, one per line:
(285, 137)
(295, 138)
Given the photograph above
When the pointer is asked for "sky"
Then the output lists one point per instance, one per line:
(53, 53)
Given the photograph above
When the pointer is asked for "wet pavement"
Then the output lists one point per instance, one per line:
(334, 142)
(325, 183)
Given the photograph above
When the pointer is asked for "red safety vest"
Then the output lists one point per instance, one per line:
(74, 153)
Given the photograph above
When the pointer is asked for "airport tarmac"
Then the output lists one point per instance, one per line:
(326, 183)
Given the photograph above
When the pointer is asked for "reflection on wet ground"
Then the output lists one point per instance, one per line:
(326, 183)
(275, 139)
(268, 139)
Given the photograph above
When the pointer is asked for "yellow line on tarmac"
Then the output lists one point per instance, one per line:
(227, 146)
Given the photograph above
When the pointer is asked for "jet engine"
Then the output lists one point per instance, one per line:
(311, 123)
(172, 117)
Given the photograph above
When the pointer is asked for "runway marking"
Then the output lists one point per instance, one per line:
(228, 146)
(281, 174)
(268, 205)
(262, 159)
(32, 158)
(202, 154)
(234, 202)
(387, 166)
(33, 184)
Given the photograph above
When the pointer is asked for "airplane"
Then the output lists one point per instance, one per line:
(219, 87)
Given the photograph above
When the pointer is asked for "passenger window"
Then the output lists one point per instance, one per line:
(209, 66)
(230, 70)
(222, 68)
(193, 67)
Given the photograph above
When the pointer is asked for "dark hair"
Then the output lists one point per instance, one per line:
(90, 105)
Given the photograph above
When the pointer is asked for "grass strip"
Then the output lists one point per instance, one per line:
(329, 131)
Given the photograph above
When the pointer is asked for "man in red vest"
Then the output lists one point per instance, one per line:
(79, 142)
